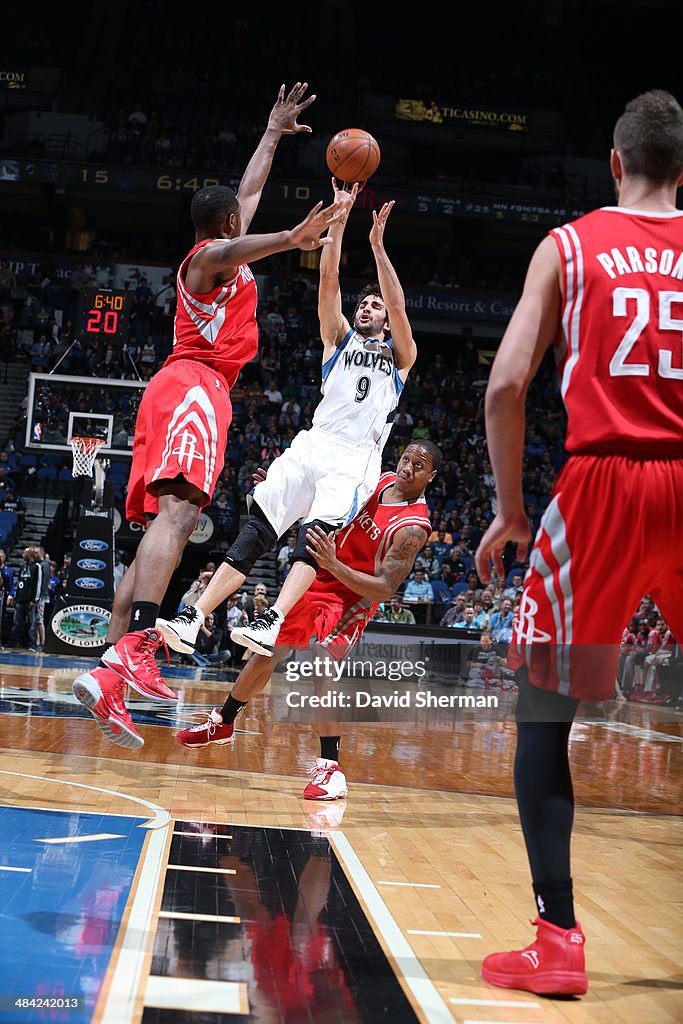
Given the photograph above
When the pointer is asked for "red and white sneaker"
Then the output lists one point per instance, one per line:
(328, 781)
(211, 731)
(552, 965)
(102, 692)
(134, 658)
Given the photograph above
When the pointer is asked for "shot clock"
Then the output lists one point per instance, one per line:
(104, 313)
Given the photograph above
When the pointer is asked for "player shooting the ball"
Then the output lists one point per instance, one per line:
(331, 470)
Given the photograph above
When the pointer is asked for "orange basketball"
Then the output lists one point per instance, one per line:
(352, 155)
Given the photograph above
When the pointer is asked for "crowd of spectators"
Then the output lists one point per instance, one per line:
(27, 597)
(276, 396)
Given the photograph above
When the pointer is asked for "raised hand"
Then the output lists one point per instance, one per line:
(345, 196)
(283, 116)
(379, 221)
(307, 234)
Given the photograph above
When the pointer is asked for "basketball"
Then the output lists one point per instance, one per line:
(352, 155)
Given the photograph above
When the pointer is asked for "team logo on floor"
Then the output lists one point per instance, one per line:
(84, 625)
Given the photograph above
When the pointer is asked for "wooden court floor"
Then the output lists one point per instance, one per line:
(428, 845)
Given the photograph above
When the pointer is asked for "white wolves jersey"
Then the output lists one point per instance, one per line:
(360, 388)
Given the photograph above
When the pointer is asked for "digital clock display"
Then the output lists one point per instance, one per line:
(104, 312)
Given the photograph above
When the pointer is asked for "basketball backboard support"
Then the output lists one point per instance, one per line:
(60, 406)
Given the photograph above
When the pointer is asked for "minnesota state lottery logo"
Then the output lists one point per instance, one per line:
(83, 625)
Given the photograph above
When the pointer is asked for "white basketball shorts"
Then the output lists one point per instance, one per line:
(318, 477)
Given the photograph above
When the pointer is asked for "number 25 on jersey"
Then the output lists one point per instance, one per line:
(621, 307)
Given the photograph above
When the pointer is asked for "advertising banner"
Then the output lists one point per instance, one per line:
(80, 620)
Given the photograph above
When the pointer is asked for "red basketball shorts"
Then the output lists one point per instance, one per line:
(181, 431)
(323, 618)
(610, 535)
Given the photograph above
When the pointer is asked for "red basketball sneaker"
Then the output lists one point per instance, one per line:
(328, 781)
(102, 692)
(133, 657)
(210, 731)
(552, 965)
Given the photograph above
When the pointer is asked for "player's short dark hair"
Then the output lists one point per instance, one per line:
(428, 446)
(649, 137)
(211, 206)
(369, 289)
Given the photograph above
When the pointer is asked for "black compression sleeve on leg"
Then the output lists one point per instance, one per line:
(255, 538)
(545, 796)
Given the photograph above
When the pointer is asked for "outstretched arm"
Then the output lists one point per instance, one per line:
(405, 350)
(395, 566)
(333, 323)
(222, 256)
(282, 121)
(532, 328)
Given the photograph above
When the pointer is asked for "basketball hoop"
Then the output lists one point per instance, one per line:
(85, 450)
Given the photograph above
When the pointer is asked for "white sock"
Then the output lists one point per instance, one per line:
(279, 613)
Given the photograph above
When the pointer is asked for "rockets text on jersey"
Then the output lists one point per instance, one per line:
(619, 353)
(219, 328)
(361, 388)
(363, 545)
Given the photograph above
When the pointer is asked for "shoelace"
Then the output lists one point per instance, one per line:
(209, 725)
(148, 647)
(264, 621)
(321, 773)
(187, 616)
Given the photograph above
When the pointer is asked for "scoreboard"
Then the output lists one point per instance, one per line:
(104, 313)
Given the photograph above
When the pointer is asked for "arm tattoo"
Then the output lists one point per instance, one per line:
(401, 556)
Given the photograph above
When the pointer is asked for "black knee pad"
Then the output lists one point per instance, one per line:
(255, 538)
(300, 554)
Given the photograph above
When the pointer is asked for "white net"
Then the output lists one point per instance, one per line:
(85, 451)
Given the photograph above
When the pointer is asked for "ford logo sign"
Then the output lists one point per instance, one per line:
(94, 545)
(91, 564)
(89, 583)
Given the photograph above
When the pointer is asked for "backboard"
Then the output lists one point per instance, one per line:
(60, 406)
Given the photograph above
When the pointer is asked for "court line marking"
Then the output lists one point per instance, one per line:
(406, 962)
(639, 731)
(495, 1002)
(208, 871)
(6, 867)
(159, 819)
(202, 835)
(413, 885)
(197, 995)
(126, 978)
(65, 810)
(94, 838)
(455, 935)
(478, 1020)
(179, 915)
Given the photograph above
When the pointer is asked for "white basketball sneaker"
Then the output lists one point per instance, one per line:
(181, 632)
(260, 635)
(328, 781)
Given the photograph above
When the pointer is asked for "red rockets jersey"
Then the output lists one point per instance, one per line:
(219, 328)
(658, 641)
(619, 352)
(363, 544)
